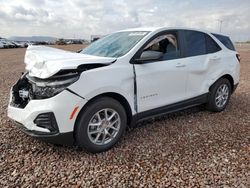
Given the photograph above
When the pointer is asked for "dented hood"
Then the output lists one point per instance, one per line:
(43, 62)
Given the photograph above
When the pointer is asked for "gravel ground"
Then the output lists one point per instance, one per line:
(192, 148)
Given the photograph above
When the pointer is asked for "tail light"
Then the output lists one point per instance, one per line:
(238, 57)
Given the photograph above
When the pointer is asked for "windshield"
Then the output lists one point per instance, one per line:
(115, 45)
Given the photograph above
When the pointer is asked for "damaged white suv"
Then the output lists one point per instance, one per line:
(89, 98)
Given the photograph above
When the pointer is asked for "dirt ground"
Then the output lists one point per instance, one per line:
(185, 149)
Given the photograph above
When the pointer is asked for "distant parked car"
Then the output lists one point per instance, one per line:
(5, 45)
(89, 98)
(1, 45)
(60, 42)
(9, 44)
(23, 44)
(17, 45)
(69, 42)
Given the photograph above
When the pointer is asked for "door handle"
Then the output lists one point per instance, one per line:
(180, 65)
(214, 58)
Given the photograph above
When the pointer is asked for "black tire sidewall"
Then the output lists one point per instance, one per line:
(81, 133)
(211, 101)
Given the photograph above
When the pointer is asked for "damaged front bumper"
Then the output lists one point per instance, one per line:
(47, 119)
(54, 138)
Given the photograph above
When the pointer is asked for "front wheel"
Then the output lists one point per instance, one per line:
(100, 125)
(219, 95)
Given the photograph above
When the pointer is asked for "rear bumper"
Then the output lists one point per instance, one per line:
(54, 138)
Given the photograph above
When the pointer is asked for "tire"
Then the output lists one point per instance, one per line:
(94, 121)
(217, 103)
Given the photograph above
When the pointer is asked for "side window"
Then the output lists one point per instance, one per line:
(225, 40)
(211, 45)
(195, 43)
(167, 44)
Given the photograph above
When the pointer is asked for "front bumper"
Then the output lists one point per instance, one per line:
(60, 105)
(54, 138)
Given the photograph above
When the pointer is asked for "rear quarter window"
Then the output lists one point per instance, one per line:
(225, 41)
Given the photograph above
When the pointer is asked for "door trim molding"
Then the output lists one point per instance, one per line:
(163, 110)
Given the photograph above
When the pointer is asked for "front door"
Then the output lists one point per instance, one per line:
(161, 82)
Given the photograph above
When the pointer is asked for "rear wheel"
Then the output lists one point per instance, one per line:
(219, 95)
(100, 125)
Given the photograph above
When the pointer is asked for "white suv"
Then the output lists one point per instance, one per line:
(90, 97)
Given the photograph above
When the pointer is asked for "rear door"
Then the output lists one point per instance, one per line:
(202, 54)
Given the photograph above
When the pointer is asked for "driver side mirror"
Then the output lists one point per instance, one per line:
(149, 55)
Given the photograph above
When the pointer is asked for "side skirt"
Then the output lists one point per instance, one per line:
(169, 108)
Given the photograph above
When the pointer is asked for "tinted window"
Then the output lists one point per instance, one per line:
(211, 45)
(226, 41)
(195, 43)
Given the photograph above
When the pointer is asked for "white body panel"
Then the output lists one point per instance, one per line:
(158, 83)
(204, 70)
(62, 105)
(115, 78)
(44, 62)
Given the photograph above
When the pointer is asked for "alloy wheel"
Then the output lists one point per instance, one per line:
(222, 95)
(104, 126)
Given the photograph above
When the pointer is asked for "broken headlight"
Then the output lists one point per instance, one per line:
(46, 88)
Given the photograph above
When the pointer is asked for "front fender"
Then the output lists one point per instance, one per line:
(110, 79)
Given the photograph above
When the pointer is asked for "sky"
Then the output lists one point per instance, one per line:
(82, 18)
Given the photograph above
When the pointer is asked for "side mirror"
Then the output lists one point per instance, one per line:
(149, 56)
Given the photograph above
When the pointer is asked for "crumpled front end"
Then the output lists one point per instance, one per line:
(42, 113)
(43, 62)
(40, 101)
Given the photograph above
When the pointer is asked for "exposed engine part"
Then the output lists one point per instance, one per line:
(21, 92)
(28, 88)
(24, 94)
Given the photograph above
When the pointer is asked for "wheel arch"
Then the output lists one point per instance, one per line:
(228, 77)
(121, 99)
